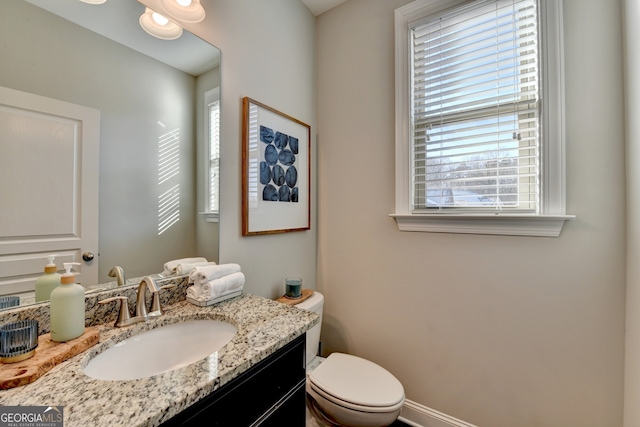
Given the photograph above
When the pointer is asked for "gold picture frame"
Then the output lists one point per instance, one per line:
(276, 171)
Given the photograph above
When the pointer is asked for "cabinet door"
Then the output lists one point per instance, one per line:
(292, 413)
(246, 400)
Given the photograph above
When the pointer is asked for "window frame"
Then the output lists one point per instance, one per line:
(552, 216)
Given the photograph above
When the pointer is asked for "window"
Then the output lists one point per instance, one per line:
(212, 136)
(479, 143)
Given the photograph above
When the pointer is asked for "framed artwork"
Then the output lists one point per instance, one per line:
(276, 175)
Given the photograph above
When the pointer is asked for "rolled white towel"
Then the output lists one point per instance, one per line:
(194, 292)
(223, 286)
(207, 273)
(170, 266)
(187, 268)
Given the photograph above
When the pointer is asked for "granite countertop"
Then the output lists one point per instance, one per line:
(264, 326)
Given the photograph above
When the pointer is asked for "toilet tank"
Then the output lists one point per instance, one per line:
(314, 303)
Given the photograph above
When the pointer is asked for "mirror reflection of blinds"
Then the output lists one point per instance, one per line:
(214, 156)
(476, 108)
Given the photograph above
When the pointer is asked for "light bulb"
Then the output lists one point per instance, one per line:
(159, 25)
(159, 19)
(190, 11)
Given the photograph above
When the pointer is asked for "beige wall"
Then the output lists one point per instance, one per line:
(268, 55)
(632, 96)
(497, 331)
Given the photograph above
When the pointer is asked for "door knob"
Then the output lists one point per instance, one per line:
(88, 256)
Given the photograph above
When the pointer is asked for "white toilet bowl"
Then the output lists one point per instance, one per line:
(355, 392)
(349, 390)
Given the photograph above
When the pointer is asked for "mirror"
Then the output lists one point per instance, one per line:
(145, 97)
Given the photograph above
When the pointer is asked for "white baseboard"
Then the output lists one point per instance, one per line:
(417, 415)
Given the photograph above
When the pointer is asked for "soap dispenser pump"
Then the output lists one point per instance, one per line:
(67, 307)
(48, 281)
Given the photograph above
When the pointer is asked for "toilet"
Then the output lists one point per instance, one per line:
(348, 390)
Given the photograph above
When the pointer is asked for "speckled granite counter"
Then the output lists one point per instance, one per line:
(264, 326)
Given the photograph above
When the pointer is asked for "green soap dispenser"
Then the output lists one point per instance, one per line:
(48, 281)
(67, 307)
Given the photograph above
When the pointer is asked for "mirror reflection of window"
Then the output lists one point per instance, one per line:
(212, 131)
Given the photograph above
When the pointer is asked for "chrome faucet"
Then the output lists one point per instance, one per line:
(141, 304)
(118, 273)
(141, 314)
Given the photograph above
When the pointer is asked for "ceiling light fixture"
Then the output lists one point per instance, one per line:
(159, 26)
(94, 1)
(190, 11)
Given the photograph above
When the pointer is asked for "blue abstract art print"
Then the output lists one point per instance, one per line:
(276, 171)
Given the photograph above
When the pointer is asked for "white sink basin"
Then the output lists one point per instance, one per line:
(160, 350)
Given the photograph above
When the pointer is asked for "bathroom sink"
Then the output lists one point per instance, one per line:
(161, 350)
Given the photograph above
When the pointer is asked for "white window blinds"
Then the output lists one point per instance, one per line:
(475, 109)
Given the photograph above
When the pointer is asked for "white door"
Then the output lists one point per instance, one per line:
(49, 168)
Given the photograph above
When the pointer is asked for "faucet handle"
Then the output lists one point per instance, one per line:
(156, 308)
(124, 318)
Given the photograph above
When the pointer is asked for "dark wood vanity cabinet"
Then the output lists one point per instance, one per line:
(269, 394)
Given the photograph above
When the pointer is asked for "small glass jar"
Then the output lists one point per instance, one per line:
(293, 286)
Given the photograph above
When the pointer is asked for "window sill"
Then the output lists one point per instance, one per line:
(210, 216)
(496, 224)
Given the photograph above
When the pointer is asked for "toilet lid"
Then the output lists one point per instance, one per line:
(358, 381)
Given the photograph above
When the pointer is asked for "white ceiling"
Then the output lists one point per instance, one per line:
(319, 6)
